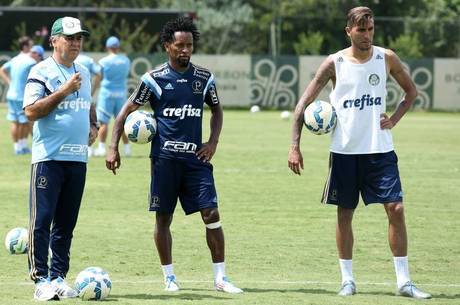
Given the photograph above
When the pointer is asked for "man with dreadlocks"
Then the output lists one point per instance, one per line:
(180, 162)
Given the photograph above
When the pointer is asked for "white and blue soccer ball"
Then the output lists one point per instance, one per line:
(93, 283)
(320, 117)
(140, 127)
(17, 241)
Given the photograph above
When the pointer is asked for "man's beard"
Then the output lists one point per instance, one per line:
(183, 62)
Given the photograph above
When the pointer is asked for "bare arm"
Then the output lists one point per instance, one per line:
(92, 124)
(44, 106)
(209, 148)
(325, 73)
(96, 83)
(396, 69)
(113, 161)
(4, 75)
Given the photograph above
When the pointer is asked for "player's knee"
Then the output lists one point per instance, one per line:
(395, 210)
(211, 217)
(163, 220)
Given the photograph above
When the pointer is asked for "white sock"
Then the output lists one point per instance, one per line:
(23, 142)
(101, 146)
(167, 270)
(127, 149)
(17, 146)
(219, 271)
(346, 267)
(402, 270)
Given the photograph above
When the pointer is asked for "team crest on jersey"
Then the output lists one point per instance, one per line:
(374, 79)
(197, 87)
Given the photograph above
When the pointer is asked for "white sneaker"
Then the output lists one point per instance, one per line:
(63, 290)
(226, 286)
(171, 283)
(409, 290)
(90, 152)
(348, 288)
(100, 152)
(44, 291)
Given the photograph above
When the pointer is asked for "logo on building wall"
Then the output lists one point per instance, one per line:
(274, 86)
(422, 75)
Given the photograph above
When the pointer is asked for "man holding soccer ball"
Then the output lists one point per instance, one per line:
(362, 159)
(180, 165)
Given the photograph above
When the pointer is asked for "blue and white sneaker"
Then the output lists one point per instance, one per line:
(409, 290)
(348, 288)
(26, 150)
(44, 290)
(171, 283)
(63, 290)
(225, 285)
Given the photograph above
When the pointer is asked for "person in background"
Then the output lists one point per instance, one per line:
(95, 72)
(37, 52)
(14, 73)
(115, 69)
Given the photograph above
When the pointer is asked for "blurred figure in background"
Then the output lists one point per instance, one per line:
(14, 73)
(37, 52)
(93, 68)
(95, 72)
(113, 92)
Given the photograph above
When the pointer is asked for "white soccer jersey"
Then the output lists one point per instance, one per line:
(359, 99)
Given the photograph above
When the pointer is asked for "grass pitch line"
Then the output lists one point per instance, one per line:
(293, 283)
(286, 283)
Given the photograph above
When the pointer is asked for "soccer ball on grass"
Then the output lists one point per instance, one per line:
(93, 283)
(140, 127)
(320, 117)
(17, 240)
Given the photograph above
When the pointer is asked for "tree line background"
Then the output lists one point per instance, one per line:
(413, 28)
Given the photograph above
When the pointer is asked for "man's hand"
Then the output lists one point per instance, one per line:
(295, 159)
(112, 161)
(386, 122)
(207, 151)
(72, 84)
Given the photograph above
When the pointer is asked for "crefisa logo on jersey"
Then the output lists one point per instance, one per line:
(181, 113)
(374, 79)
(76, 105)
(365, 100)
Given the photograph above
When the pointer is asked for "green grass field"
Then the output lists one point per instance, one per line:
(280, 239)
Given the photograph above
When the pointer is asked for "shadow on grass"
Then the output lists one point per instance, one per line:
(446, 296)
(169, 296)
(301, 290)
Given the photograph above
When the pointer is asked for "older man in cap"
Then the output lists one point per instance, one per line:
(58, 98)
